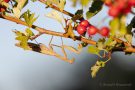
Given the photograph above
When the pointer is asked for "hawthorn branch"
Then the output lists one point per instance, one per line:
(49, 32)
(56, 8)
(45, 31)
(129, 48)
(72, 15)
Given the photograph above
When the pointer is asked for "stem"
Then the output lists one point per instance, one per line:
(83, 39)
(71, 15)
(56, 8)
(129, 48)
(36, 36)
(45, 31)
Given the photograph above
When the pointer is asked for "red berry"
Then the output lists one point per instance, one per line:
(108, 2)
(114, 11)
(132, 2)
(105, 31)
(127, 10)
(121, 4)
(6, 1)
(2, 8)
(81, 29)
(92, 30)
(84, 23)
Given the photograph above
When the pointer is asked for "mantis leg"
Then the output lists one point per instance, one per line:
(64, 58)
(77, 51)
(50, 45)
(63, 49)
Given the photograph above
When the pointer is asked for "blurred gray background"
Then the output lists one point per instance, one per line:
(26, 70)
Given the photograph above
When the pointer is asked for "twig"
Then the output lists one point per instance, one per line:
(36, 36)
(56, 8)
(72, 15)
(130, 48)
(45, 31)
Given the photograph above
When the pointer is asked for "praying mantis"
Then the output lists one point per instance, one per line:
(49, 50)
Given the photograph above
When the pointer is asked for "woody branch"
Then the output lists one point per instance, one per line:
(129, 48)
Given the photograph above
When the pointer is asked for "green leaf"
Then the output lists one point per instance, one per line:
(94, 9)
(89, 14)
(85, 2)
(110, 40)
(123, 28)
(96, 68)
(24, 45)
(18, 33)
(29, 18)
(29, 32)
(129, 37)
(100, 44)
(74, 2)
(110, 44)
(23, 38)
(118, 26)
(23, 41)
(114, 26)
(55, 15)
(93, 50)
(82, 2)
(21, 4)
(59, 3)
(79, 12)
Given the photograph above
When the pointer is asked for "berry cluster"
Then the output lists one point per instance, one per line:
(85, 26)
(6, 1)
(3, 8)
(118, 7)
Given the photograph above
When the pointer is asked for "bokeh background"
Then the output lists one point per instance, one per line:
(26, 70)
